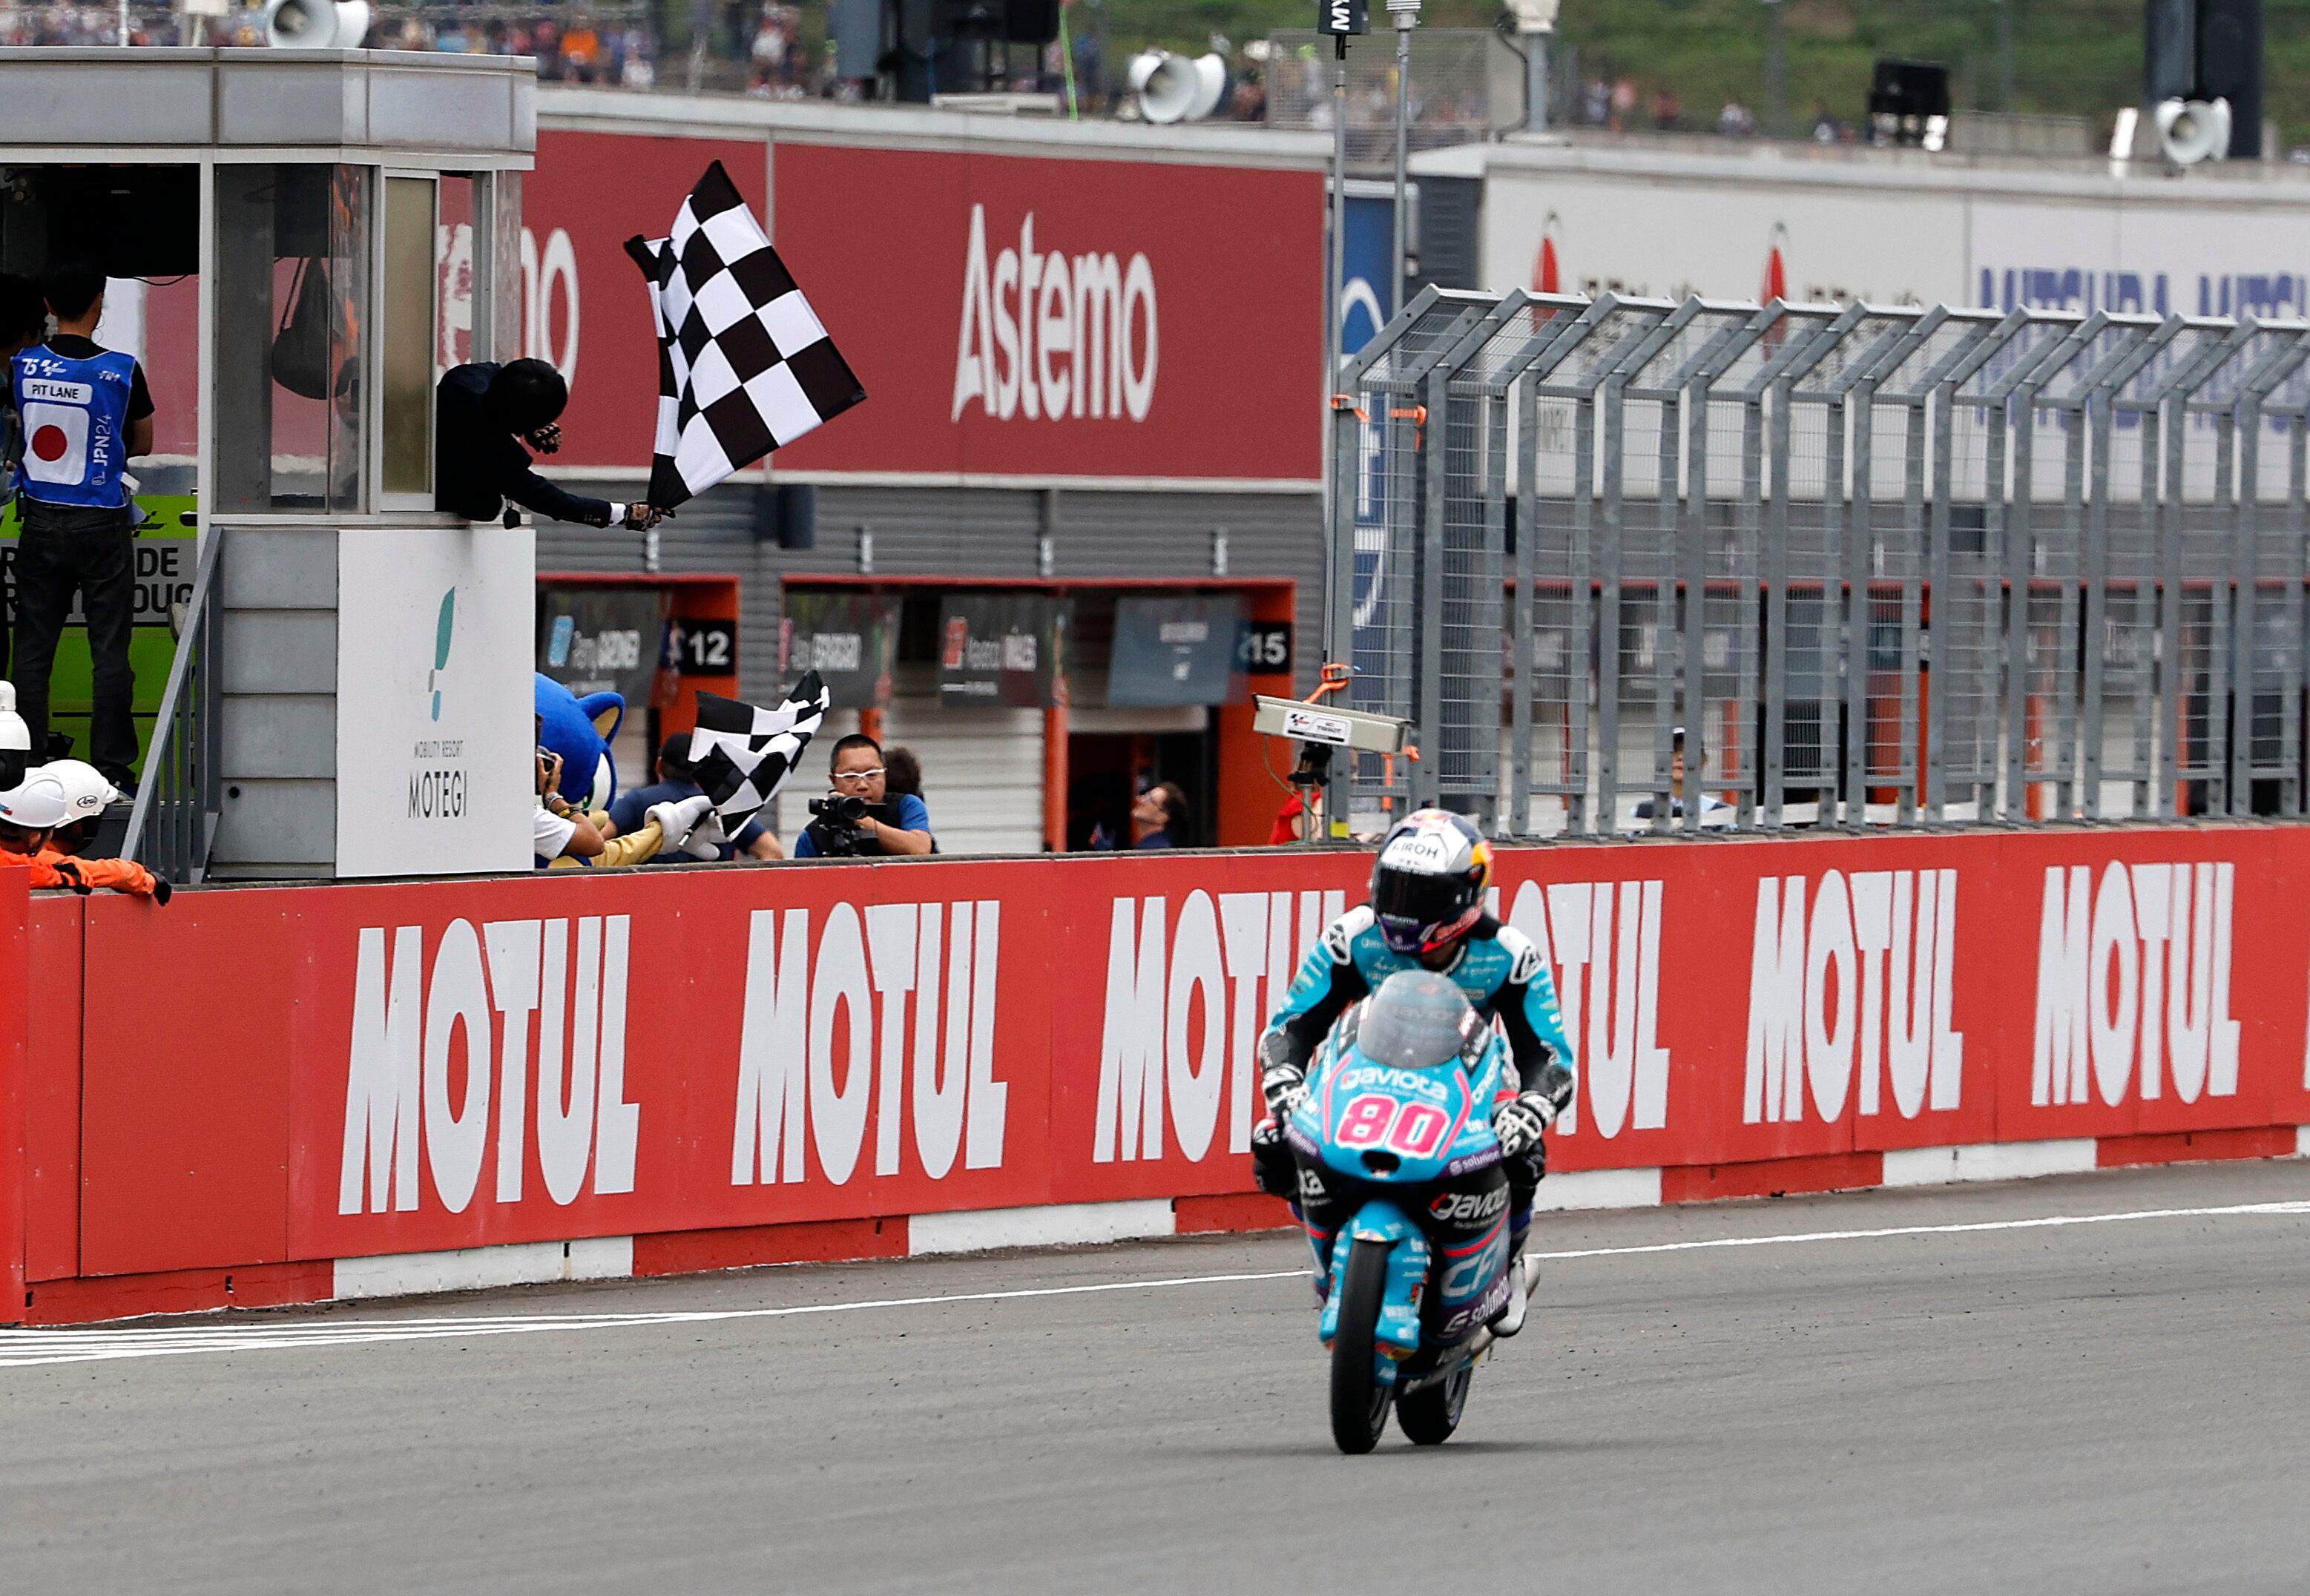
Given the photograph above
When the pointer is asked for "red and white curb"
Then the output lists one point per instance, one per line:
(1082, 1224)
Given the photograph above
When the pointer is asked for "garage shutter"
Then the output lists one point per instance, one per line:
(982, 772)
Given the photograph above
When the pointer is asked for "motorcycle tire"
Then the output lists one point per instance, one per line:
(1429, 1416)
(1360, 1401)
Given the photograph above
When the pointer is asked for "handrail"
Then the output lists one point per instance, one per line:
(168, 747)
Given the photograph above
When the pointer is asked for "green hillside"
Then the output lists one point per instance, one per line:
(2083, 57)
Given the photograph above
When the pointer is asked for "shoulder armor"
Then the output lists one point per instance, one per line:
(1525, 963)
(1340, 936)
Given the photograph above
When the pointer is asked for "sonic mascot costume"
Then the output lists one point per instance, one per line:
(577, 732)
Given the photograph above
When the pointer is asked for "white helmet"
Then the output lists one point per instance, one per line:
(86, 790)
(38, 804)
(16, 738)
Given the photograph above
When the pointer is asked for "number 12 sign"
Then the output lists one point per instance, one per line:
(703, 647)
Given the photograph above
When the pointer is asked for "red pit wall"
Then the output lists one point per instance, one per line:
(1091, 1038)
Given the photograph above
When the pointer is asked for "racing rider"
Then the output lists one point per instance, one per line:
(1427, 911)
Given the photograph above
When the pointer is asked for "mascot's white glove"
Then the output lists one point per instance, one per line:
(706, 842)
(677, 822)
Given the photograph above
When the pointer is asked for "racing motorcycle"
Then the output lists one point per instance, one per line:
(1400, 1101)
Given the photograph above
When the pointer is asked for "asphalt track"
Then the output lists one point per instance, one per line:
(2109, 1406)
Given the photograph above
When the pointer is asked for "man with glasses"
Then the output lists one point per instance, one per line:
(859, 816)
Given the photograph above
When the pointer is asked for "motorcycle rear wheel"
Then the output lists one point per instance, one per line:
(1359, 1403)
(1429, 1416)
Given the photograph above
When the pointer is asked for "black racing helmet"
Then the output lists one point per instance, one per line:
(1427, 884)
(527, 394)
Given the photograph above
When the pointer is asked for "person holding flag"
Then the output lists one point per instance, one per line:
(485, 416)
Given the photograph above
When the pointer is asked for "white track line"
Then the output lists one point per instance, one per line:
(20, 1348)
(23, 1347)
(2044, 1224)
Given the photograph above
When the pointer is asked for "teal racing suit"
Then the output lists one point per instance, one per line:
(1497, 969)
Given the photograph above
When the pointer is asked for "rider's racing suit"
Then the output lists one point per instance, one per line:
(1502, 976)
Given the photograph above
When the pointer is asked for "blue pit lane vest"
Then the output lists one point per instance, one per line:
(74, 415)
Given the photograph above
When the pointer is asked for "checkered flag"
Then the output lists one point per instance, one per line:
(744, 365)
(742, 755)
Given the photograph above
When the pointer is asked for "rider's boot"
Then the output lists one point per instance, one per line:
(1510, 1318)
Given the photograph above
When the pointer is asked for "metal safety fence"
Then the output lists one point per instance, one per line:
(1630, 564)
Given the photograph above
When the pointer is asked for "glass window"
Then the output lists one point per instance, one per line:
(411, 339)
(460, 262)
(293, 279)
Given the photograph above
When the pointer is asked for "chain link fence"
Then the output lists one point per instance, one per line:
(1631, 564)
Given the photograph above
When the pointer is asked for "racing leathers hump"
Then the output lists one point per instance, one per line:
(1498, 969)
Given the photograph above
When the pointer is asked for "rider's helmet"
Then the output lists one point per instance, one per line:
(1427, 884)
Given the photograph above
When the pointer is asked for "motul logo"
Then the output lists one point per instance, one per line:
(1868, 970)
(1216, 958)
(1603, 939)
(820, 1055)
(402, 1062)
(1053, 336)
(2134, 970)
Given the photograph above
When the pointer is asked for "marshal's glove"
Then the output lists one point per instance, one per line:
(1285, 1087)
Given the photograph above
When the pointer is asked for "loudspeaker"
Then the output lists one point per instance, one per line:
(2189, 131)
(1173, 89)
(2229, 67)
(787, 514)
(316, 24)
(1031, 22)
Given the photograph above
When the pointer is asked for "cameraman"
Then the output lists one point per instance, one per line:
(859, 818)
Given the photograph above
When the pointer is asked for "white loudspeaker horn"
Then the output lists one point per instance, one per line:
(1164, 85)
(2189, 131)
(1173, 89)
(1211, 87)
(316, 24)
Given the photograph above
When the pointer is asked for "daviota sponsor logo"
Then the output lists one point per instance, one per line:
(1603, 938)
(1053, 336)
(1860, 984)
(1186, 997)
(439, 1058)
(2133, 985)
(827, 1046)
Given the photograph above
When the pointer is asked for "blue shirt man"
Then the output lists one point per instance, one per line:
(857, 772)
(631, 811)
(83, 411)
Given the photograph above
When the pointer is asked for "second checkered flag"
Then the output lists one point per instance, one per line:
(742, 755)
(744, 364)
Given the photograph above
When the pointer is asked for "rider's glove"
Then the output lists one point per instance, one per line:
(1520, 1122)
(1285, 1087)
(1552, 1081)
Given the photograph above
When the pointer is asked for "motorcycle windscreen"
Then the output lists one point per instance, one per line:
(1417, 1020)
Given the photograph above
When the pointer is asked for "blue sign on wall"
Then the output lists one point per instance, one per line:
(1368, 299)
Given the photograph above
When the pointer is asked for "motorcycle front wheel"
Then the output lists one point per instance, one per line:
(1359, 1403)
(1429, 1416)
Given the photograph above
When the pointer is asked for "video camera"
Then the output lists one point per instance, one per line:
(836, 830)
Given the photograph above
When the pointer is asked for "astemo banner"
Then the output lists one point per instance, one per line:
(356, 1069)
